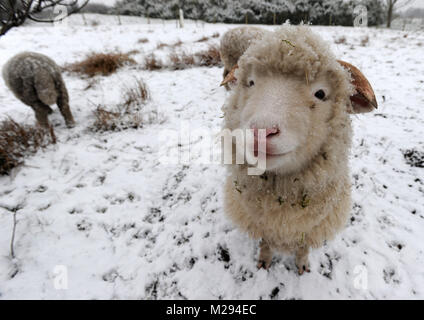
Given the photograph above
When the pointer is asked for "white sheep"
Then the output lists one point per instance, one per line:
(36, 80)
(291, 85)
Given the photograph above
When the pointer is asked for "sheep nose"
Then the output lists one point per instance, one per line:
(269, 132)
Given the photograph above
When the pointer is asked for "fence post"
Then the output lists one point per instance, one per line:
(181, 13)
(83, 19)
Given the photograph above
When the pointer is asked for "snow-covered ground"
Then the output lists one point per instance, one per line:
(123, 225)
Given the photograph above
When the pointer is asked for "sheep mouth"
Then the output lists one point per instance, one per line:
(270, 155)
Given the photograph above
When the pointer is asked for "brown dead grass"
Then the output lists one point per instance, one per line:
(341, 40)
(17, 142)
(105, 120)
(181, 61)
(365, 41)
(116, 120)
(162, 45)
(152, 63)
(101, 64)
(179, 43)
(125, 115)
(203, 39)
(143, 40)
(209, 57)
(137, 95)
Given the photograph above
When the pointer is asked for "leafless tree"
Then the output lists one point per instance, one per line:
(392, 5)
(14, 13)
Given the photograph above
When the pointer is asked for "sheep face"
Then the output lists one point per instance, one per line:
(293, 112)
(292, 92)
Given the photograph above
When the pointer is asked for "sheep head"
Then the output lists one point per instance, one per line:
(290, 85)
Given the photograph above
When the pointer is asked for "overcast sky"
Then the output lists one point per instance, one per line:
(416, 3)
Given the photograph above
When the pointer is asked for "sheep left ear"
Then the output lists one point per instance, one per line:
(230, 78)
(364, 99)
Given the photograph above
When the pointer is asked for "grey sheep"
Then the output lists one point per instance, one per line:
(36, 80)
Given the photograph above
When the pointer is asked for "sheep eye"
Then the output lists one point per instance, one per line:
(320, 94)
(251, 83)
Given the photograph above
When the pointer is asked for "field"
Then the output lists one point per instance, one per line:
(103, 206)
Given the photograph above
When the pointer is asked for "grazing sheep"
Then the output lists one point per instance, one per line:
(36, 80)
(235, 42)
(292, 86)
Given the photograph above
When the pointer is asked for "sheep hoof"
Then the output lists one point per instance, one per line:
(301, 270)
(302, 261)
(265, 256)
(263, 264)
(70, 123)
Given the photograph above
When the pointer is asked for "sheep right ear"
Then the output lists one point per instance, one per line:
(230, 77)
(364, 99)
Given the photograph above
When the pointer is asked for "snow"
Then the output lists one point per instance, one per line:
(127, 226)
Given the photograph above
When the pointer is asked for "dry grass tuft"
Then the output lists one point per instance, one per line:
(133, 52)
(101, 63)
(121, 118)
(216, 35)
(210, 57)
(341, 40)
(365, 41)
(137, 95)
(105, 120)
(181, 61)
(152, 63)
(126, 115)
(18, 141)
(161, 45)
(143, 40)
(178, 43)
(203, 39)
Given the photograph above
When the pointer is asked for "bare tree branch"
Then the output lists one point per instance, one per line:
(392, 6)
(74, 9)
(14, 211)
(14, 13)
(12, 240)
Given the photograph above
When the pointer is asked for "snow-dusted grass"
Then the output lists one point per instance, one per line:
(128, 226)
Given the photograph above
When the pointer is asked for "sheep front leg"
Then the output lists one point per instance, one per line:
(265, 255)
(63, 105)
(302, 261)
